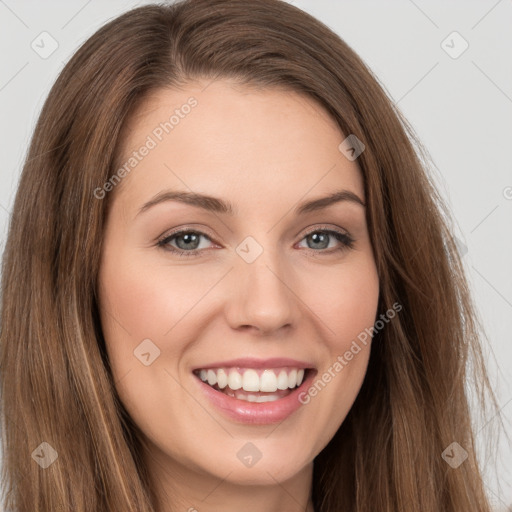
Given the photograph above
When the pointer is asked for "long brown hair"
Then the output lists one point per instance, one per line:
(56, 385)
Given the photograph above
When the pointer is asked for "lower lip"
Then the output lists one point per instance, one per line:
(257, 413)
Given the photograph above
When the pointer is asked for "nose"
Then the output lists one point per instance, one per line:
(261, 296)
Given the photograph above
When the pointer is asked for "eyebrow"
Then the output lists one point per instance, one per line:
(216, 205)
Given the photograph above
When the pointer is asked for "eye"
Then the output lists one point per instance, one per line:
(187, 242)
(320, 239)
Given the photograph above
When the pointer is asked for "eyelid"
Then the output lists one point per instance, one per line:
(324, 227)
(186, 229)
(205, 232)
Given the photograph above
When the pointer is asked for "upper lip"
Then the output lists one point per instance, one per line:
(250, 362)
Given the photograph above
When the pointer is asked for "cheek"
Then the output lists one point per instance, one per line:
(140, 302)
(135, 306)
(347, 306)
(146, 300)
(347, 301)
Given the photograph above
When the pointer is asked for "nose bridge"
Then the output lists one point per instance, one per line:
(263, 299)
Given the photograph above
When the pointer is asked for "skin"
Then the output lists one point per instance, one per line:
(264, 151)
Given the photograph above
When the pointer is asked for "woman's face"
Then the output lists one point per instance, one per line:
(257, 294)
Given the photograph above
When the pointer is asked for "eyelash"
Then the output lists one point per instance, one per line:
(347, 242)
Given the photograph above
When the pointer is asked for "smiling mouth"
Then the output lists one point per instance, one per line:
(254, 384)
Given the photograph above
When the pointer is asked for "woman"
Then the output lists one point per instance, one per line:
(309, 352)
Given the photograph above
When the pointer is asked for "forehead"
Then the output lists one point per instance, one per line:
(224, 138)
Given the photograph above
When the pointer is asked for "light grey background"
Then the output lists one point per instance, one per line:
(461, 108)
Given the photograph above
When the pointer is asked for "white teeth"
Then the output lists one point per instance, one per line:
(212, 377)
(292, 379)
(222, 378)
(234, 380)
(282, 380)
(250, 380)
(268, 381)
